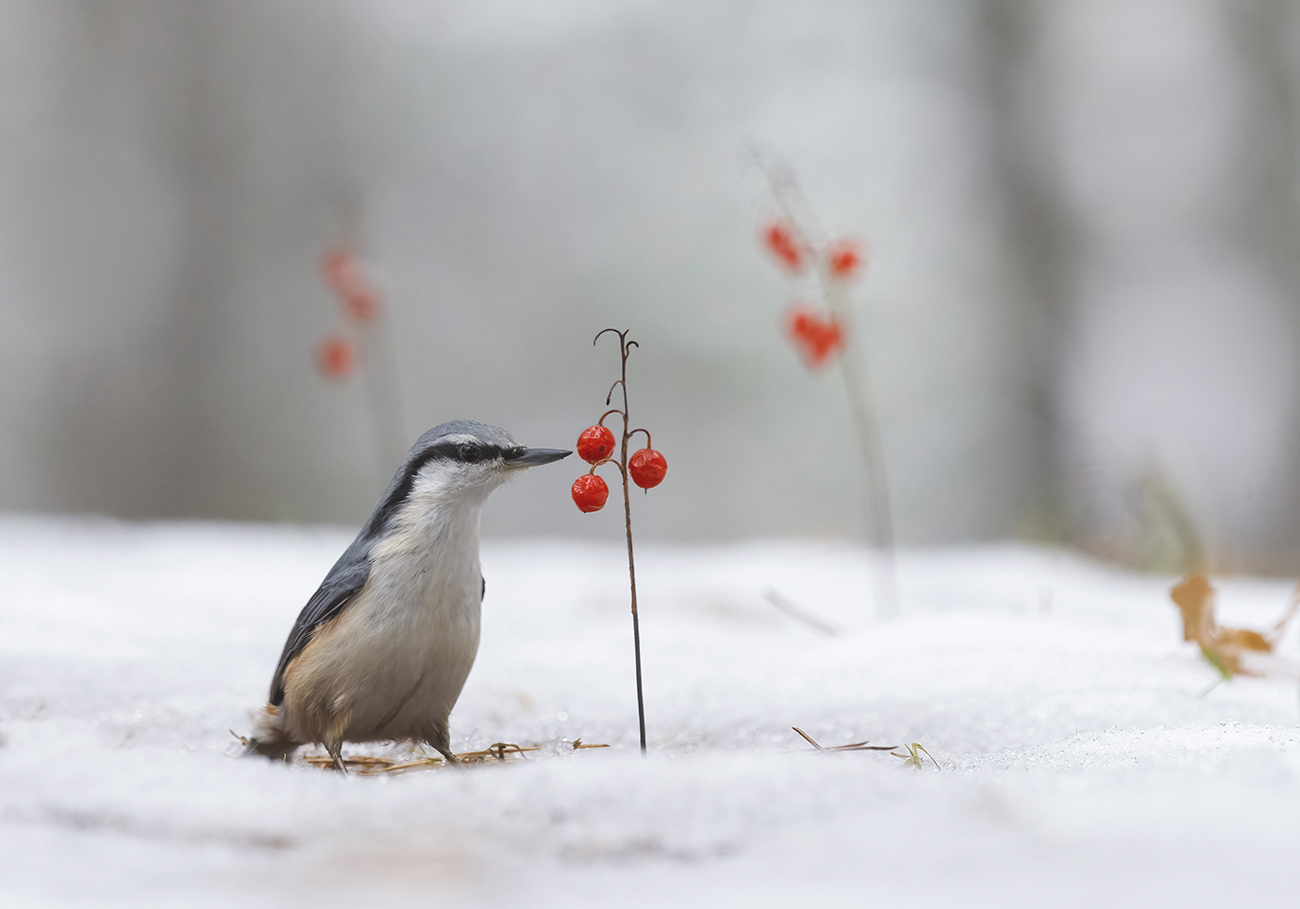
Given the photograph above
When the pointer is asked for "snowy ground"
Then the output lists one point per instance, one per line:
(1080, 763)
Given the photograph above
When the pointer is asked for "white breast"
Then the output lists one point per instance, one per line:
(403, 649)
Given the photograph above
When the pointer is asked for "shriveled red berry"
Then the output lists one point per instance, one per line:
(361, 303)
(346, 275)
(595, 444)
(339, 267)
(818, 339)
(647, 468)
(589, 492)
(335, 357)
(845, 257)
(782, 241)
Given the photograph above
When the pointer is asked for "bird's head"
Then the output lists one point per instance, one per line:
(462, 462)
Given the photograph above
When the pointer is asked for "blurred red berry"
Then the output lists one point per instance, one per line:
(782, 241)
(595, 444)
(817, 339)
(589, 492)
(335, 357)
(345, 274)
(362, 304)
(647, 467)
(339, 268)
(845, 257)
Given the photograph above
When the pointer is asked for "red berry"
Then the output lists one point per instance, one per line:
(817, 339)
(361, 303)
(589, 492)
(346, 275)
(781, 239)
(335, 357)
(844, 257)
(335, 265)
(647, 468)
(595, 444)
(340, 269)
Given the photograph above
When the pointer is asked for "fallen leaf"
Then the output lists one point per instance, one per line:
(1226, 649)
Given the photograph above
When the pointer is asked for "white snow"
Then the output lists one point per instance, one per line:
(1081, 764)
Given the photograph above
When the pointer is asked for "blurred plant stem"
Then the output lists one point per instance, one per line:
(382, 381)
(857, 381)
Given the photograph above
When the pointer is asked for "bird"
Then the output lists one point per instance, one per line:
(383, 647)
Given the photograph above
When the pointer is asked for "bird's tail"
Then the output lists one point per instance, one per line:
(271, 737)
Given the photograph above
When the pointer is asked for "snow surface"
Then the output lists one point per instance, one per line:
(1080, 762)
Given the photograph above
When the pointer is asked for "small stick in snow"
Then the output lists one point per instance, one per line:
(856, 746)
(820, 625)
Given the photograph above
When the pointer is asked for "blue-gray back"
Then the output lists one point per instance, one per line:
(350, 573)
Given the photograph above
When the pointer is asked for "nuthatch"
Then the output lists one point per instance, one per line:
(383, 647)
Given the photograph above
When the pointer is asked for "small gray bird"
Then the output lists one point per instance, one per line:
(383, 647)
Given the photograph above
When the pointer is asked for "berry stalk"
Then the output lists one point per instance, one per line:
(646, 468)
(625, 347)
(799, 242)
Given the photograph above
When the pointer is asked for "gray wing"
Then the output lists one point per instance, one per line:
(335, 592)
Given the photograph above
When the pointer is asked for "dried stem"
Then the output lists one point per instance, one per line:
(856, 384)
(853, 369)
(625, 348)
(375, 343)
(383, 398)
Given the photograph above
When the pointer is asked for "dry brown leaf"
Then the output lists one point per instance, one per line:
(1195, 599)
(1242, 639)
(1224, 647)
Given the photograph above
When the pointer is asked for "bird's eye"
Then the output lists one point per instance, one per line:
(470, 454)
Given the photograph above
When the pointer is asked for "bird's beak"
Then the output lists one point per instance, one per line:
(532, 457)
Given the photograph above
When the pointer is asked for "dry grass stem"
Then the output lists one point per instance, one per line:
(499, 753)
(819, 625)
(855, 746)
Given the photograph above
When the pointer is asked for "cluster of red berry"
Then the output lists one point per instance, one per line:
(346, 275)
(647, 467)
(842, 258)
(818, 338)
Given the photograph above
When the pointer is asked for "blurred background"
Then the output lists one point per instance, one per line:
(1080, 313)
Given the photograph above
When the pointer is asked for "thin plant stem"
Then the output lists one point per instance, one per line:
(625, 348)
(856, 384)
(375, 341)
(383, 399)
(853, 369)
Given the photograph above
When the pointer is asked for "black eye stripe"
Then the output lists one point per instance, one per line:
(466, 452)
(448, 451)
(473, 452)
